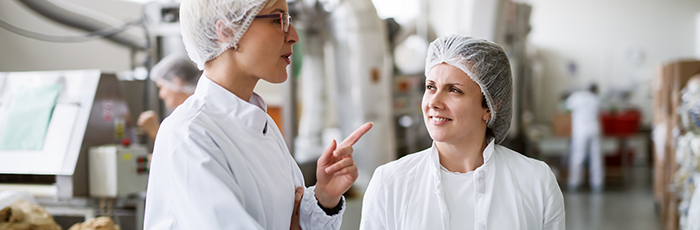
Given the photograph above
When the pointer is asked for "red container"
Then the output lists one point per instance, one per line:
(623, 123)
(607, 122)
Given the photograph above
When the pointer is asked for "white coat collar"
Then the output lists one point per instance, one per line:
(435, 158)
(253, 114)
(481, 184)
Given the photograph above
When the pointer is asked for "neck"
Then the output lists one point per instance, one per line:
(224, 71)
(463, 156)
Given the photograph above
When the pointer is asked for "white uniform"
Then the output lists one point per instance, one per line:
(511, 192)
(585, 138)
(215, 168)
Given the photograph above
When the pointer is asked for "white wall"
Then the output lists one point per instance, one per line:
(598, 36)
(18, 53)
(697, 35)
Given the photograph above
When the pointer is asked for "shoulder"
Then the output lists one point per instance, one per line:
(404, 166)
(192, 113)
(401, 173)
(191, 121)
(520, 173)
(518, 164)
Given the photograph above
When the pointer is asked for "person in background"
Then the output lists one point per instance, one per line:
(176, 76)
(585, 138)
(465, 180)
(219, 160)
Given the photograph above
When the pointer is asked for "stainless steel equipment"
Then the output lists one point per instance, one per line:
(89, 111)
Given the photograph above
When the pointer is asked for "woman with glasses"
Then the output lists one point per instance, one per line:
(219, 161)
(465, 180)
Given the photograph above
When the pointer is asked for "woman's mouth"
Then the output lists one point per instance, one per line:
(286, 58)
(439, 120)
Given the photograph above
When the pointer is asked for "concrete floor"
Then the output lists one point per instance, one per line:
(626, 204)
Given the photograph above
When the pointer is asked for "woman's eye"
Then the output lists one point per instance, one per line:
(276, 20)
(430, 87)
(455, 90)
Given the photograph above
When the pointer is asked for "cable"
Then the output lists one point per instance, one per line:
(80, 38)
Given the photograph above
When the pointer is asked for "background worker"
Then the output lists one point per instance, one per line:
(585, 138)
(176, 76)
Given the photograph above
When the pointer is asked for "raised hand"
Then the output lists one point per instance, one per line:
(148, 121)
(336, 169)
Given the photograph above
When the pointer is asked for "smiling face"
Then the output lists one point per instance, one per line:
(264, 50)
(452, 105)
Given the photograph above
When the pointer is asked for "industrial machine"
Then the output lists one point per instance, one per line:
(118, 170)
(79, 109)
(88, 111)
(346, 78)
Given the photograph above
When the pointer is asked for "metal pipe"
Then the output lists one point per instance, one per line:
(85, 19)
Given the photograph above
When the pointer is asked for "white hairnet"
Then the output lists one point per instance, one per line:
(486, 64)
(198, 25)
(176, 65)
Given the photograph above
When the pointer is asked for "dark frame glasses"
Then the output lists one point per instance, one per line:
(285, 19)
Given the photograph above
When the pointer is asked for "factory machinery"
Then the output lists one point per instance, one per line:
(91, 157)
(68, 137)
(52, 123)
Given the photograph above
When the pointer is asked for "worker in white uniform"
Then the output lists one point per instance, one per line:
(176, 76)
(585, 139)
(219, 161)
(465, 180)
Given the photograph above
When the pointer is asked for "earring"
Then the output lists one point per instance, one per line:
(235, 47)
(488, 118)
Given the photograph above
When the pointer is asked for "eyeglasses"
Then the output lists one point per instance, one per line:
(285, 18)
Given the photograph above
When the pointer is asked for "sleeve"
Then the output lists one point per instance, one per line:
(374, 204)
(569, 102)
(311, 216)
(554, 216)
(203, 192)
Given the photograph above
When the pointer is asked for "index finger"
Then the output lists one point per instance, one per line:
(355, 136)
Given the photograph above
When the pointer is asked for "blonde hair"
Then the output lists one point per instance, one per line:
(270, 3)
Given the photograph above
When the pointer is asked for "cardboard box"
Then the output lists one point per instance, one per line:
(666, 99)
(561, 124)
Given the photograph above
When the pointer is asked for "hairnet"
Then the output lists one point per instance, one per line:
(486, 64)
(176, 65)
(198, 25)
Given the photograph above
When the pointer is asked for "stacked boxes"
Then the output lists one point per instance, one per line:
(666, 99)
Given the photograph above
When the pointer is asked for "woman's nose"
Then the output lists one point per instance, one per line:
(292, 36)
(162, 93)
(435, 102)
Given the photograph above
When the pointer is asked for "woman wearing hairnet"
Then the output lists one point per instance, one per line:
(219, 161)
(465, 180)
(176, 76)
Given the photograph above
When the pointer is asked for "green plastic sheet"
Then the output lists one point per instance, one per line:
(28, 118)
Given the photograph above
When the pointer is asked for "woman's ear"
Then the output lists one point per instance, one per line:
(223, 33)
(486, 116)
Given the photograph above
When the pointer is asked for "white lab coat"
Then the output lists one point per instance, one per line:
(585, 135)
(214, 168)
(512, 192)
(584, 112)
